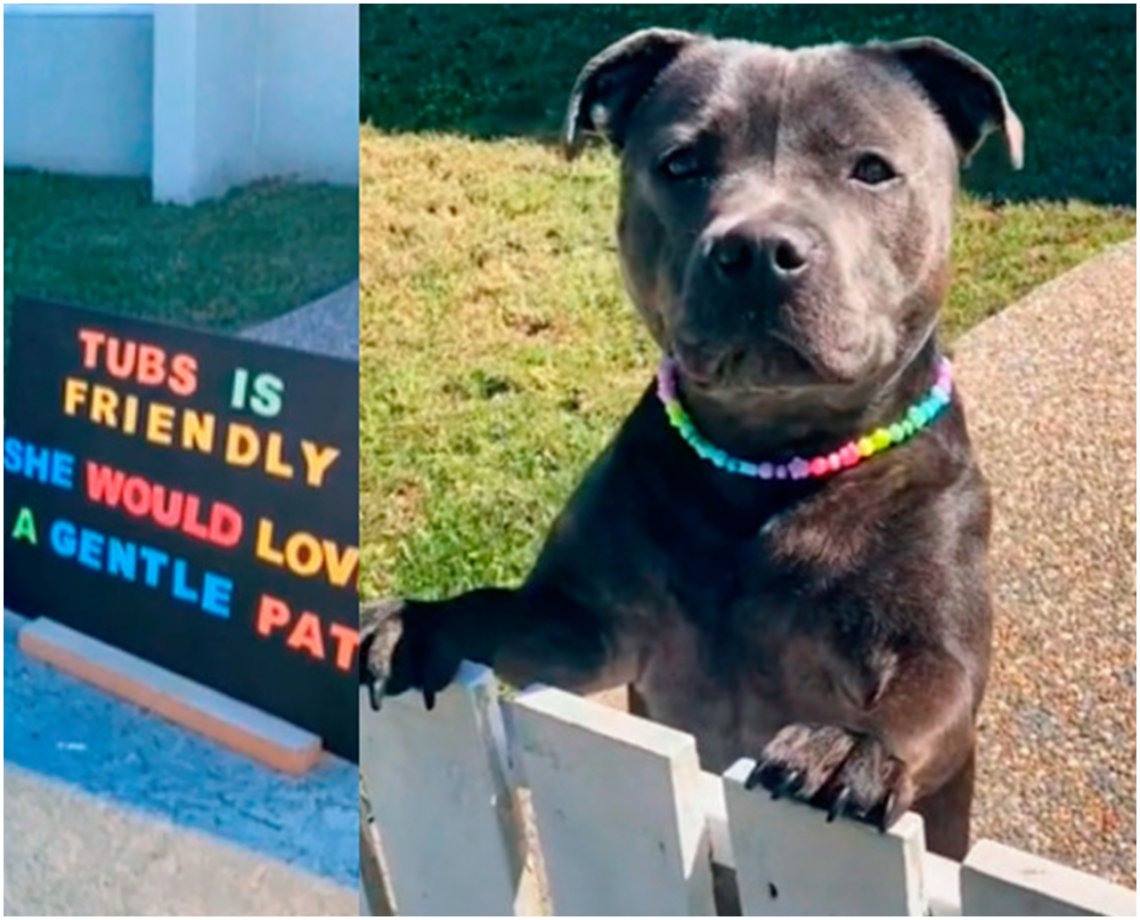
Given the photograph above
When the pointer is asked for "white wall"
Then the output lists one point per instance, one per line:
(310, 99)
(77, 89)
(227, 97)
(201, 97)
(254, 91)
(205, 100)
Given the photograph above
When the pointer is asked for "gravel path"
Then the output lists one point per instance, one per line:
(1050, 388)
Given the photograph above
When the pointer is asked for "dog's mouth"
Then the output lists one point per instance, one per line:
(775, 363)
(803, 358)
(705, 365)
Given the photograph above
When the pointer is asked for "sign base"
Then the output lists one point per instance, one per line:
(243, 728)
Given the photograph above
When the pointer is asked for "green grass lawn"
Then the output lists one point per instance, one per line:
(500, 71)
(499, 351)
(258, 252)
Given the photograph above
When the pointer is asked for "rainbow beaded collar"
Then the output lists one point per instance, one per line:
(921, 415)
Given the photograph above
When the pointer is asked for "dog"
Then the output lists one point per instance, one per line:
(784, 229)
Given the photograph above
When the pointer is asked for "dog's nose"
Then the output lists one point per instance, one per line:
(783, 251)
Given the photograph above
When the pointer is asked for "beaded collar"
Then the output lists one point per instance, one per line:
(919, 416)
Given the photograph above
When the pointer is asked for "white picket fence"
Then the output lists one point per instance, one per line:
(549, 803)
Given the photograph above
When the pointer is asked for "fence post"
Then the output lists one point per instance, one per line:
(1000, 881)
(443, 808)
(790, 861)
(617, 807)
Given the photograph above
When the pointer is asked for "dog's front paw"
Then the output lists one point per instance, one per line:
(380, 629)
(836, 770)
(406, 646)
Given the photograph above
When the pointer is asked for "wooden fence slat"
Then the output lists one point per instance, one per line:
(443, 808)
(790, 861)
(716, 815)
(999, 880)
(617, 807)
(628, 825)
(941, 876)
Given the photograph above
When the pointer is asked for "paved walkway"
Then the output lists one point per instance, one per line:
(1050, 389)
(328, 326)
(69, 852)
(109, 809)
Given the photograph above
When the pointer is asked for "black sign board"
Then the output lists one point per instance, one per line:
(190, 498)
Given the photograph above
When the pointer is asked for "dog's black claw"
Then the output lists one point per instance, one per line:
(429, 699)
(789, 785)
(754, 778)
(888, 810)
(375, 693)
(838, 804)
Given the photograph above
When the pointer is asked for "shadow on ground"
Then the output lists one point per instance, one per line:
(61, 728)
(500, 71)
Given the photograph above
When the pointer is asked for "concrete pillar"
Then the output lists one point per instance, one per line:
(206, 100)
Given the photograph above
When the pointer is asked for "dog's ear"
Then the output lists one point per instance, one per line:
(969, 98)
(614, 81)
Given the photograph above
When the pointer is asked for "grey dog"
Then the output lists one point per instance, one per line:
(785, 227)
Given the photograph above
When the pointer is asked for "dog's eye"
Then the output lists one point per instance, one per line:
(872, 169)
(681, 164)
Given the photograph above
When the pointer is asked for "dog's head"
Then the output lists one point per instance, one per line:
(785, 216)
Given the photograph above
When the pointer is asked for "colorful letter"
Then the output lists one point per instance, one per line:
(265, 549)
(183, 375)
(152, 365)
(226, 525)
(104, 402)
(160, 423)
(198, 430)
(91, 339)
(274, 465)
(25, 527)
(74, 394)
(271, 614)
(104, 483)
(237, 391)
(216, 594)
(307, 635)
(303, 554)
(267, 390)
(62, 538)
(242, 445)
(347, 640)
(317, 461)
(340, 567)
(90, 553)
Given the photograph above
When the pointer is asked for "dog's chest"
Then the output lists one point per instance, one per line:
(745, 647)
